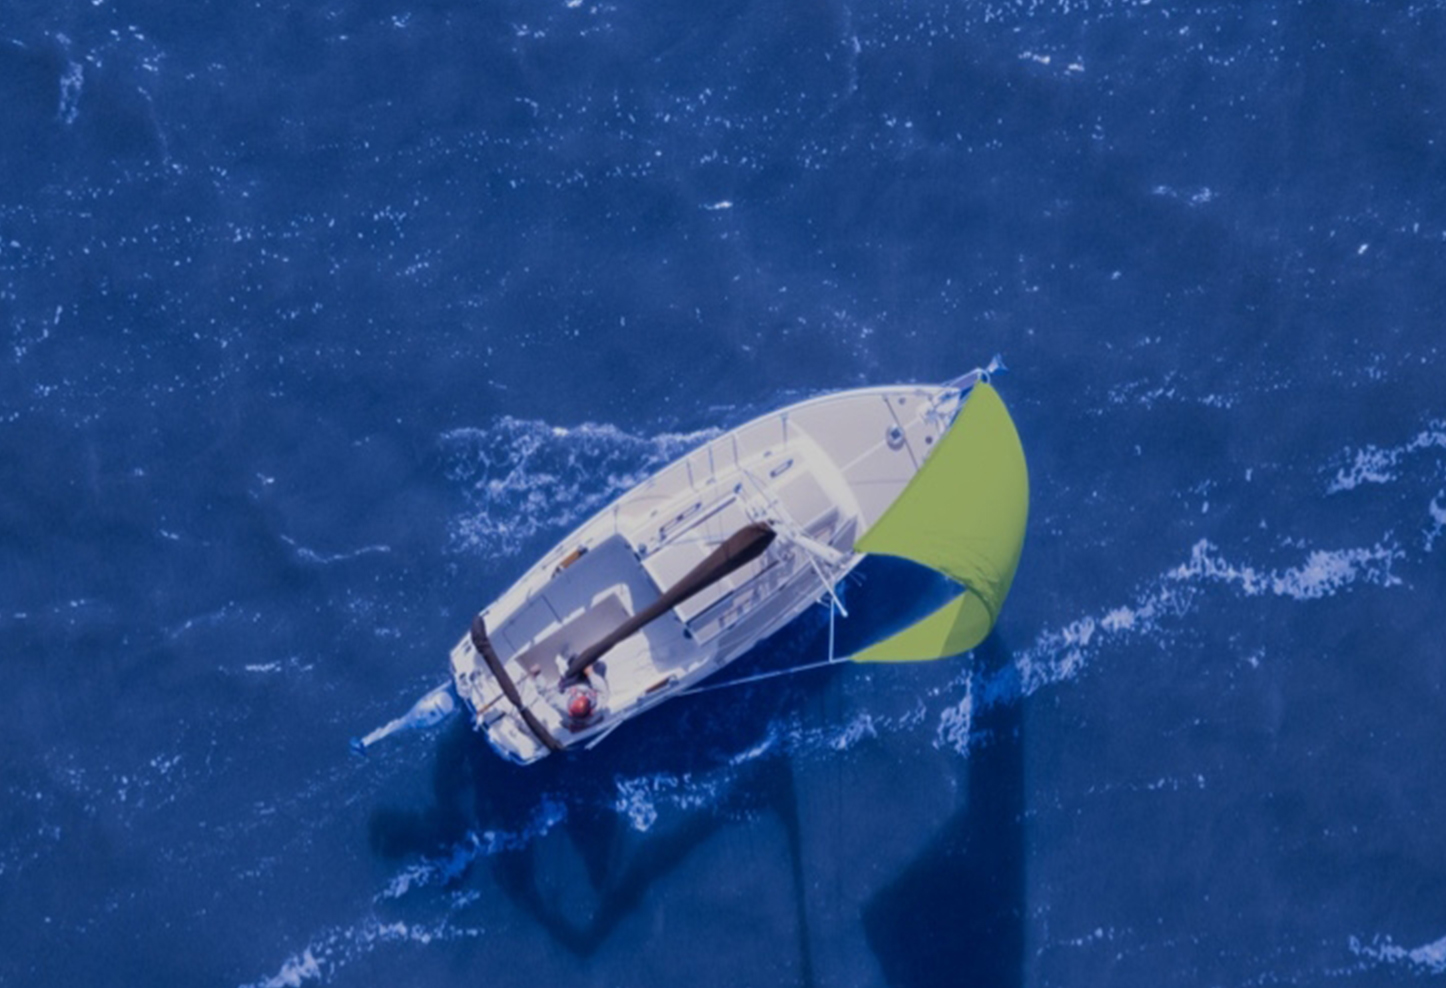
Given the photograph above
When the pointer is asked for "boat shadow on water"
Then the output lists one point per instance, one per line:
(583, 873)
(592, 868)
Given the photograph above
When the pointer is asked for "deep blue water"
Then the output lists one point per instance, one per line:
(322, 320)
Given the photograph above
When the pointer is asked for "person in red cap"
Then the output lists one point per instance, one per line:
(581, 705)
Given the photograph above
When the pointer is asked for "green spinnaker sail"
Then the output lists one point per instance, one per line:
(964, 515)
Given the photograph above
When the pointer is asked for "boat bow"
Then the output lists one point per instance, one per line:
(964, 515)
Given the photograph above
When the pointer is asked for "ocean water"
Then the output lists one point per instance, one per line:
(321, 321)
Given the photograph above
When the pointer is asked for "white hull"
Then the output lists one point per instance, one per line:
(818, 473)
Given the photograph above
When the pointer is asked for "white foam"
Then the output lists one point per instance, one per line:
(1196, 197)
(71, 83)
(1432, 956)
(1427, 959)
(295, 971)
(635, 801)
(1438, 516)
(1376, 465)
(1371, 466)
(526, 477)
(333, 949)
(1060, 655)
(326, 558)
(956, 722)
(1322, 574)
(862, 726)
(1326, 572)
(211, 619)
(440, 870)
(758, 750)
(1099, 933)
(1119, 619)
(640, 799)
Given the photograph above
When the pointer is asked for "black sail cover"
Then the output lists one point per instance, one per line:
(484, 648)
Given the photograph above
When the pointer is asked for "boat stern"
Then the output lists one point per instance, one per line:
(490, 710)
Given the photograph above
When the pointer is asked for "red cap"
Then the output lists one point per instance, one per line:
(580, 704)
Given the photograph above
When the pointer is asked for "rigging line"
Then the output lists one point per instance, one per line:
(832, 660)
(759, 677)
(697, 540)
(832, 600)
(599, 739)
(812, 548)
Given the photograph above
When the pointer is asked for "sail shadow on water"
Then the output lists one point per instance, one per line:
(955, 914)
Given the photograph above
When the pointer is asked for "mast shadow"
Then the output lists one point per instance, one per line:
(955, 915)
(581, 905)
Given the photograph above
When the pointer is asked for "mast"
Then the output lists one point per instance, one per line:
(737, 551)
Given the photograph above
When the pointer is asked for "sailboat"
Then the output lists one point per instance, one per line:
(688, 571)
